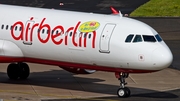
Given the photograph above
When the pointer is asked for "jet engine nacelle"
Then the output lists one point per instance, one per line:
(78, 70)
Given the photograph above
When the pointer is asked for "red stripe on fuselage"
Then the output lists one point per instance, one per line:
(69, 64)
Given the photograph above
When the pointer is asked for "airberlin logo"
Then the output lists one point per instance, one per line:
(77, 34)
(89, 26)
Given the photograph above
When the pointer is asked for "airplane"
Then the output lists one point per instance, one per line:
(79, 42)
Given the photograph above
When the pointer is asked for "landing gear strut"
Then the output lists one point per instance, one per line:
(19, 70)
(123, 91)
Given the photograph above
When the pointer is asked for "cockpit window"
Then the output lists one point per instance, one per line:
(137, 38)
(129, 38)
(158, 37)
(141, 38)
(149, 38)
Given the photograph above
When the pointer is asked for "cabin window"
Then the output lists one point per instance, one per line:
(52, 31)
(129, 38)
(89, 36)
(137, 38)
(57, 32)
(20, 28)
(70, 34)
(43, 31)
(158, 37)
(16, 28)
(85, 35)
(7, 27)
(2, 27)
(149, 38)
(38, 30)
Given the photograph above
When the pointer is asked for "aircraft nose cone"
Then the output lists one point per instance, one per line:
(162, 58)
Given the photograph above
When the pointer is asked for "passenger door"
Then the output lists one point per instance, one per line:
(105, 38)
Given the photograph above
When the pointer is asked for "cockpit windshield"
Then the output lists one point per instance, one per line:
(143, 38)
(137, 38)
(149, 38)
(129, 38)
(158, 37)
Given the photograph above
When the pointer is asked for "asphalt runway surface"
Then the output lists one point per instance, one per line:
(50, 83)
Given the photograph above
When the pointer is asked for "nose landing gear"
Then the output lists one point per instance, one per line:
(123, 91)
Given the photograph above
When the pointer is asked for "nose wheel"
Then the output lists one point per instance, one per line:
(123, 91)
(20, 70)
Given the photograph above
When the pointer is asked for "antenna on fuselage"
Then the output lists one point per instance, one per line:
(115, 12)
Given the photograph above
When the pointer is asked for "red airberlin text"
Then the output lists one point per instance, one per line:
(30, 28)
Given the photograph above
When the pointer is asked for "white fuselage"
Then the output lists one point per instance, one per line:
(84, 40)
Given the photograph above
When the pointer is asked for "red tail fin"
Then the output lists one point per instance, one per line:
(114, 11)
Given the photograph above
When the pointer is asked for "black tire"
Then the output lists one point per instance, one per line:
(123, 92)
(24, 71)
(128, 92)
(13, 71)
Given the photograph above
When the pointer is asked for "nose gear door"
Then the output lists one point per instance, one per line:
(105, 38)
